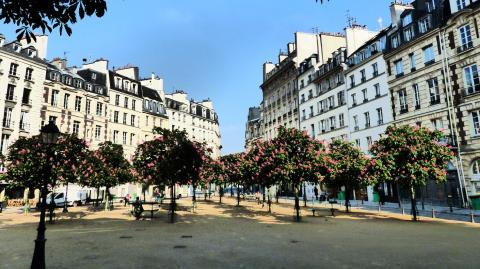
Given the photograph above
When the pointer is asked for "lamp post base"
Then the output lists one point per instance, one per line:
(38, 261)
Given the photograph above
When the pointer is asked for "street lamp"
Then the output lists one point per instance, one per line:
(49, 135)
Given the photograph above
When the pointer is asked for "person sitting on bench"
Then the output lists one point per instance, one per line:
(137, 208)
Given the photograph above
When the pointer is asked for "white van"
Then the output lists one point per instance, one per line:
(74, 197)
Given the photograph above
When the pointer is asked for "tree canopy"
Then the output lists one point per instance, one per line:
(47, 15)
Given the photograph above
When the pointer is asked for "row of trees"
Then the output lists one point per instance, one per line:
(406, 155)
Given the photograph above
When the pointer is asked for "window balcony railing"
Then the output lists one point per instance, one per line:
(403, 110)
(27, 102)
(435, 101)
(24, 127)
(465, 47)
(380, 121)
(11, 98)
(471, 90)
(8, 124)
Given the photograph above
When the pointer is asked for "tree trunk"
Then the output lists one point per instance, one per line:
(65, 205)
(221, 193)
(297, 204)
(263, 196)
(269, 201)
(194, 198)
(414, 204)
(107, 199)
(52, 206)
(231, 191)
(172, 203)
(399, 198)
(238, 195)
(347, 199)
(98, 195)
(277, 193)
(304, 195)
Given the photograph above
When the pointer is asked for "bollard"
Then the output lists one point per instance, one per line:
(472, 217)
(433, 213)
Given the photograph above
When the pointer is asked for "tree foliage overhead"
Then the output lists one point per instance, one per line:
(46, 15)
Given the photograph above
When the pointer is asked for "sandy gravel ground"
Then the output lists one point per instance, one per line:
(226, 236)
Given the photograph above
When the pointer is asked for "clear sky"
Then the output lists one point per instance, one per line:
(210, 48)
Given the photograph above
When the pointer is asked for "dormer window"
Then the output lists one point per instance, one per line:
(407, 19)
(94, 76)
(99, 90)
(134, 88)
(430, 4)
(126, 85)
(395, 41)
(77, 83)
(68, 80)
(118, 82)
(408, 33)
(89, 87)
(16, 47)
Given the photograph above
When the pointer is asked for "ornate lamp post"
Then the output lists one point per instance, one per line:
(49, 134)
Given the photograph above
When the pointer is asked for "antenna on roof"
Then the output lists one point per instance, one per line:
(351, 21)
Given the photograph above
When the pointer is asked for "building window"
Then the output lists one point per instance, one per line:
(115, 137)
(10, 96)
(26, 97)
(65, 100)
(416, 94)
(365, 95)
(94, 76)
(23, 120)
(367, 119)
(87, 106)
(363, 76)
(7, 117)
(434, 91)
(369, 141)
(98, 131)
(461, 4)
(52, 119)
(408, 34)
(472, 83)
(395, 41)
(312, 127)
(341, 98)
(89, 87)
(375, 69)
(402, 97)
(377, 90)
(54, 98)
(428, 55)
(357, 142)
(124, 118)
(352, 81)
(124, 138)
(437, 124)
(99, 109)
(413, 64)
(77, 83)
(28, 74)
(424, 25)
(125, 103)
(4, 143)
(132, 138)
(76, 127)
(133, 104)
(78, 103)
(355, 123)
(465, 37)
(398, 68)
(117, 100)
(380, 115)
(430, 4)
(476, 123)
(115, 116)
(354, 99)
(13, 69)
(132, 120)
(341, 120)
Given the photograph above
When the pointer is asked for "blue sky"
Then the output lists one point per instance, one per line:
(210, 48)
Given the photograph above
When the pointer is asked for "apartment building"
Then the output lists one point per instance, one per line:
(74, 102)
(280, 86)
(198, 119)
(253, 127)
(322, 88)
(22, 73)
(461, 44)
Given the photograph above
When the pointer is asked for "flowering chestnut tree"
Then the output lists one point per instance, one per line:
(293, 157)
(106, 167)
(348, 165)
(233, 173)
(411, 156)
(169, 159)
(213, 172)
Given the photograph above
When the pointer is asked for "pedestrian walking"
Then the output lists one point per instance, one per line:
(126, 199)
(315, 190)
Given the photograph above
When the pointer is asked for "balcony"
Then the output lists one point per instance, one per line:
(417, 106)
(26, 102)
(8, 124)
(11, 98)
(24, 127)
(435, 101)
(465, 47)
